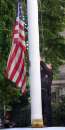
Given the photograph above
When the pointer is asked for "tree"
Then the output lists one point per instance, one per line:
(52, 22)
(58, 113)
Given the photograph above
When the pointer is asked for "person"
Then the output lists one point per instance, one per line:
(46, 81)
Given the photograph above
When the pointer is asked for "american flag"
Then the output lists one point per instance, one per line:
(16, 64)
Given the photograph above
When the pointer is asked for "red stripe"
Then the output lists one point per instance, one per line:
(15, 32)
(22, 37)
(20, 74)
(16, 41)
(20, 25)
(22, 46)
(23, 75)
(16, 67)
(12, 57)
(16, 23)
(23, 84)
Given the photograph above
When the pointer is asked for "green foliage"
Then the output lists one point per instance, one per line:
(52, 44)
(58, 113)
(7, 16)
(7, 92)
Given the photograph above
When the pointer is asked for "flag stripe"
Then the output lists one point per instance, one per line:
(15, 64)
(20, 74)
(20, 25)
(16, 31)
(20, 43)
(22, 78)
(22, 37)
(11, 52)
(13, 55)
(16, 67)
(19, 69)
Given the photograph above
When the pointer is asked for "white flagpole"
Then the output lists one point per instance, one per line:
(34, 57)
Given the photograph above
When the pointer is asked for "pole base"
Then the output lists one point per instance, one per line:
(37, 123)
